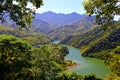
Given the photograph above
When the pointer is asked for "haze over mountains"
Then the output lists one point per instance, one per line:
(49, 20)
(59, 19)
(59, 25)
(54, 24)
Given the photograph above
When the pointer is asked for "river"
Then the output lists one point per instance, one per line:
(85, 64)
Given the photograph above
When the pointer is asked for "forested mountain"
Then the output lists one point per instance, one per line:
(82, 25)
(47, 22)
(96, 40)
(100, 44)
(50, 22)
(84, 38)
(41, 26)
(33, 37)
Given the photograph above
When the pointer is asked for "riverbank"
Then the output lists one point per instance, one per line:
(70, 64)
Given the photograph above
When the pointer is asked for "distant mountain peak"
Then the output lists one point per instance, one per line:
(51, 12)
(59, 19)
(48, 12)
(75, 13)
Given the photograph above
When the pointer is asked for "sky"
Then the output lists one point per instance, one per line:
(62, 6)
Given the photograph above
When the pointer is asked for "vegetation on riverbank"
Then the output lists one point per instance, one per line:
(19, 60)
(100, 44)
(70, 64)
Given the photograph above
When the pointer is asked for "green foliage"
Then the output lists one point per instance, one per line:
(113, 61)
(15, 56)
(112, 77)
(69, 76)
(19, 11)
(91, 76)
(105, 10)
(117, 50)
(75, 76)
(48, 61)
(19, 61)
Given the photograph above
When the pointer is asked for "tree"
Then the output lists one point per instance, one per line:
(91, 76)
(19, 11)
(105, 10)
(15, 57)
(48, 61)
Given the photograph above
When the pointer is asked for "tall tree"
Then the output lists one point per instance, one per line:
(105, 10)
(20, 11)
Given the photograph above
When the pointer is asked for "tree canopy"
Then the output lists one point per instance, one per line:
(15, 57)
(105, 10)
(19, 11)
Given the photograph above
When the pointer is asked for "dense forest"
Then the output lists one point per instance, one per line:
(19, 60)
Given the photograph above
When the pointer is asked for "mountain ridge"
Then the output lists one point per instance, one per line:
(49, 21)
(82, 25)
(59, 19)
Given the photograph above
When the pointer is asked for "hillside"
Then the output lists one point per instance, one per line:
(95, 40)
(47, 22)
(50, 22)
(67, 30)
(100, 44)
(82, 39)
(32, 37)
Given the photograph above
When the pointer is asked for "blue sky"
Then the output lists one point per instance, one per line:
(62, 6)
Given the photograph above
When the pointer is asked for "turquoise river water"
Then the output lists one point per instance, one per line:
(87, 65)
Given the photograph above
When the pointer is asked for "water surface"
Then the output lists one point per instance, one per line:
(87, 65)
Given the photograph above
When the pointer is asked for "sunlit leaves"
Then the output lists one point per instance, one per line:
(105, 10)
(15, 56)
(69, 76)
(48, 61)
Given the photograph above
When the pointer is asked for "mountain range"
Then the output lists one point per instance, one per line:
(59, 25)
(82, 25)
(59, 19)
(95, 40)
